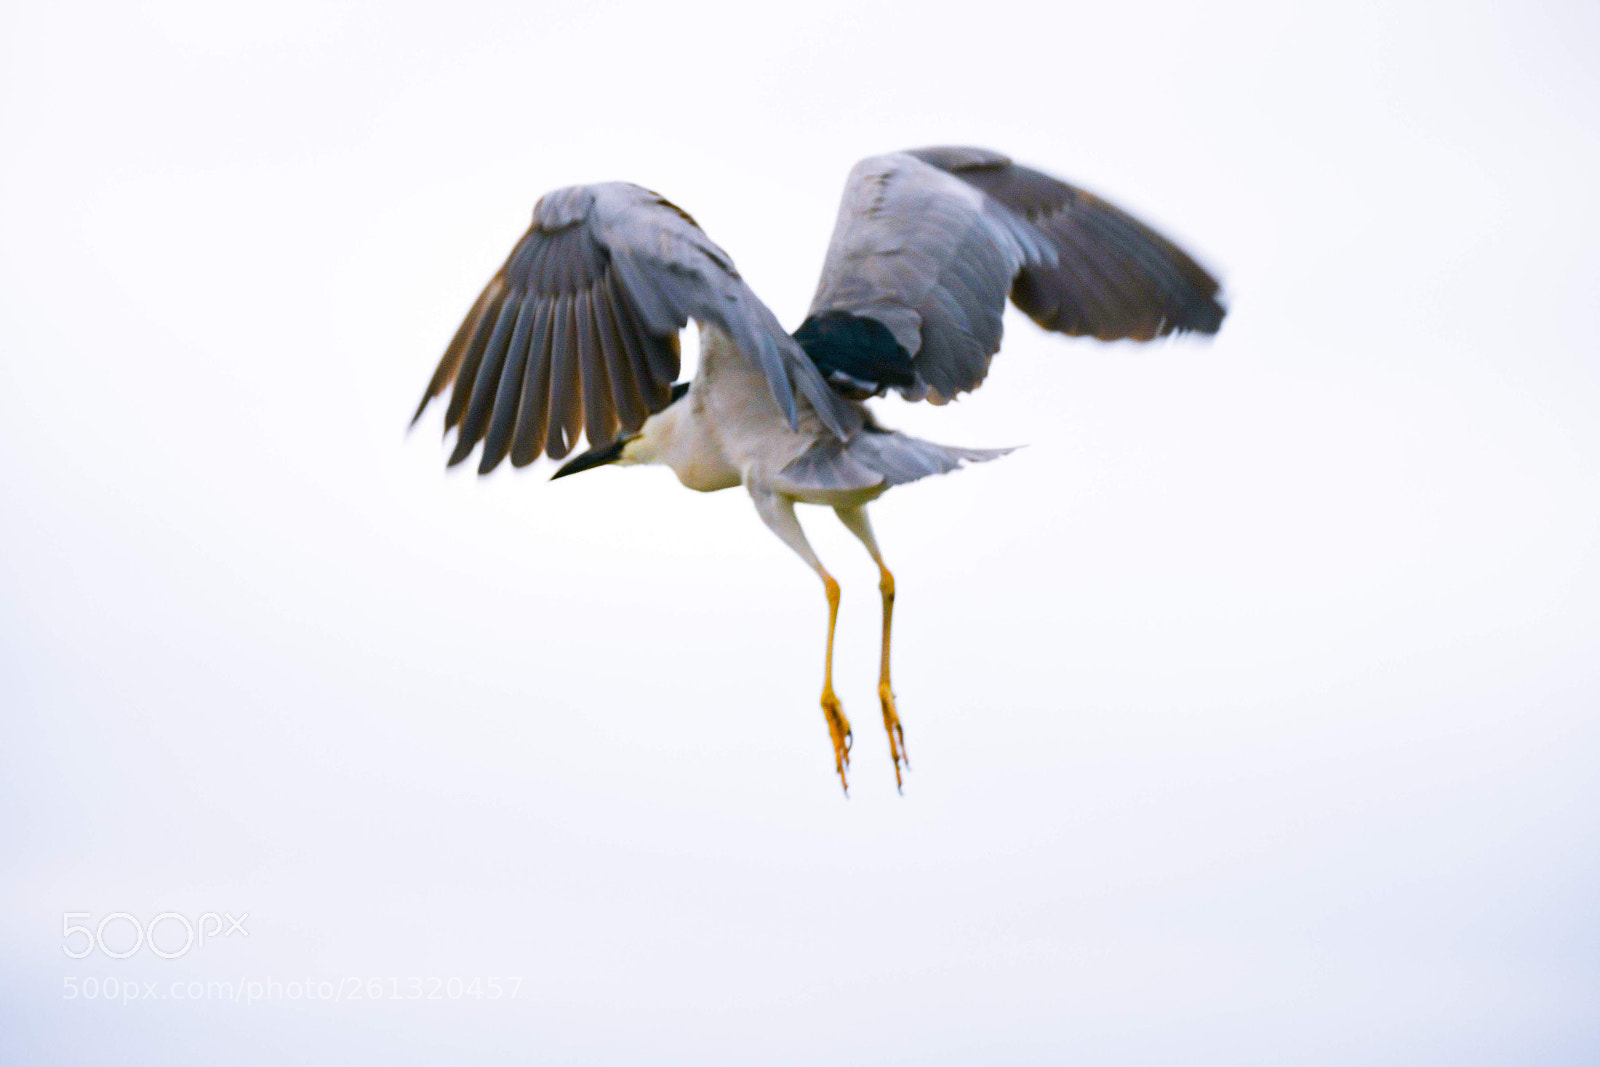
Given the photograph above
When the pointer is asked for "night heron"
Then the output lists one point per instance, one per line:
(577, 336)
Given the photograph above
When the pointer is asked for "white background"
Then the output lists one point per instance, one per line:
(1252, 709)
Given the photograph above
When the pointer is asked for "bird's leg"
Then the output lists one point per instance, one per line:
(891, 717)
(855, 520)
(832, 709)
(777, 511)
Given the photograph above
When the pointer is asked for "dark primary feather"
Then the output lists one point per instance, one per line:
(1116, 277)
(527, 377)
(930, 243)
(576, 336)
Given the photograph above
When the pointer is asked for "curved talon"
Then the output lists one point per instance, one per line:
(841, 734)
(897, 734)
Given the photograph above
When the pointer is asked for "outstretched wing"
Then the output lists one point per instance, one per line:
(578, 332)
(930, 242)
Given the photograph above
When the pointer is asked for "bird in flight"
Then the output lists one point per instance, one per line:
(576, 337)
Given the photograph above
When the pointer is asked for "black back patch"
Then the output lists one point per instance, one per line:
(858, 356)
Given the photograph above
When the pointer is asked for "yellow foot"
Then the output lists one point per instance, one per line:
(897, 736)
(839, 730)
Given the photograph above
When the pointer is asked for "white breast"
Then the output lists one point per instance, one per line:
(727, 430)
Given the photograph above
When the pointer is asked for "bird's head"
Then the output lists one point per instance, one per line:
(615, 452)
(630, 448)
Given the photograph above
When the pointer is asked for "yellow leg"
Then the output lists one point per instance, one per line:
(855, 520)
(777, 511)
(891, 718)
(832, 709)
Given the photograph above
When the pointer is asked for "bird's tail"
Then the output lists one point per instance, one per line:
(876, 457)
(901, 458)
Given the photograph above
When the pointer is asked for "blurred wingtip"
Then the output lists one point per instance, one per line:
(1207, 318)
(416, 416)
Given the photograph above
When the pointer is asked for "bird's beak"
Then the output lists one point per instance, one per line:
(595, 457)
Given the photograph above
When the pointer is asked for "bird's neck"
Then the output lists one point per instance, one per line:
(675, 437)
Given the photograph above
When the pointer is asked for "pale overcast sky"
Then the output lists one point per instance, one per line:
(1251, 709)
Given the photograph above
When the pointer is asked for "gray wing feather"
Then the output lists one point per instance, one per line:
(930, 243)
(577, 334)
